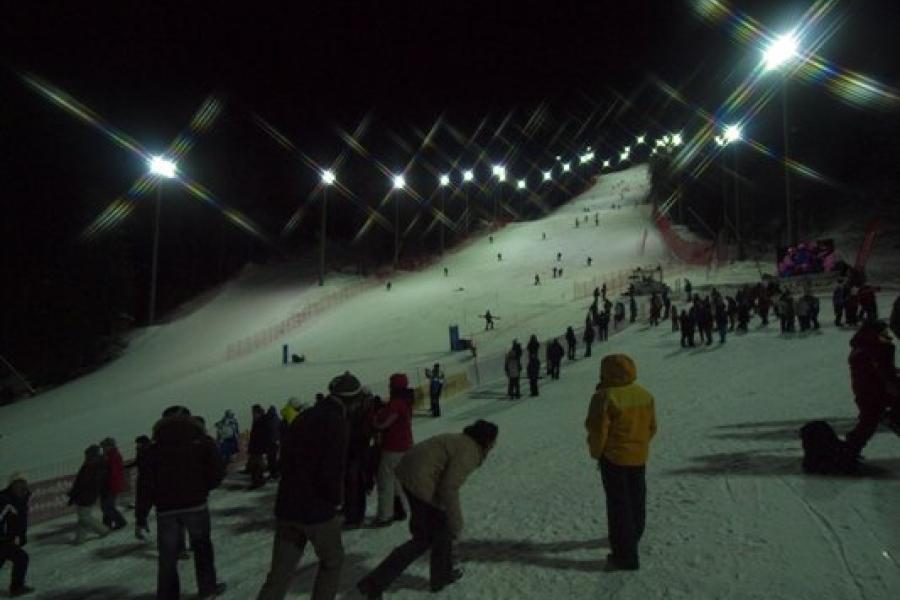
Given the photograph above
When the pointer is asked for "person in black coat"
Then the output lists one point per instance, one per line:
(360, 467)
(555, 353)
(588, 338)
(85, 492)
(307, 507)
(273, 420)
(183, 465)
(533, 370)
(258, 446)
(14, 532)
(687, 328)
(603, 325)
(533, 346)
(142, 445)
(571, 340)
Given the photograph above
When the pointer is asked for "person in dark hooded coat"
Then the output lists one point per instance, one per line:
(873, 376)
(258, 446)
(85, 492)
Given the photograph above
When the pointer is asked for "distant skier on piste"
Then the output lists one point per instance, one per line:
(488, 319)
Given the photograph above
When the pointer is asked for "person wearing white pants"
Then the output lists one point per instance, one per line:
(395, 423)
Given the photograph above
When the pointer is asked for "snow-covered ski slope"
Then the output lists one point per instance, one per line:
(729, 513)
(373, 334)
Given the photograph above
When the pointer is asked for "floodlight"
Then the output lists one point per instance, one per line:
(327, 177)
(445, 180)
(566, 167)
(399, 182)
(640, 139)
(162, 167)
(606, 163)
(547, 175)
(521, 184)
(676, 139)
(732, 133)
(468, 175)
(623, 157)
(781, 50)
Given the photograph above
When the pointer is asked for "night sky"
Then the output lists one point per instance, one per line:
(316, 68)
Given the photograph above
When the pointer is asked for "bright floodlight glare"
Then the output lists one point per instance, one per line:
(732, 134)
(162, 167)
(547, 175)
(640, 139)
(500, 172)
(720, 140)
(521, 184)
(566, 167)
(399, 182)
(782, 49)
(623, 157)
(606, 163)
(676, 139)
(445, 180)
(468, 175)
(328, 177)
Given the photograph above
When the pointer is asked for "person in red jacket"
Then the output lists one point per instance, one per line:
(874, 379)
(114, 485)
(395, 423)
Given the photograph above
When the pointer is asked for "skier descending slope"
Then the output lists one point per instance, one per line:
(621, 422)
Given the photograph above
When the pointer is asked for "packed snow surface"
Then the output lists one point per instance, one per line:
(730, 514)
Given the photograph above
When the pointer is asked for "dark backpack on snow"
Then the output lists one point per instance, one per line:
(824, 453)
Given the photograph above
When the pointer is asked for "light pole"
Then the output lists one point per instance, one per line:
(730, 135)
(781, 51)
(500, 173)
(445, 183)
(399, 184)
(327, 181)
(162, 168)
(468, 176)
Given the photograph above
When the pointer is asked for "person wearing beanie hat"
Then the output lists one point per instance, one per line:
(310, 494)
(874, 380)
(86, 490)
(432, 473)
(345, 385)
(621, 422)
(394, 421)
(14, 532)
(290, 410)
(113, 485)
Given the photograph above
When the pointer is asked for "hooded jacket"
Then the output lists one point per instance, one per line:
(89, 482)
(312, 464)
(872, 373)
(621, 419)
(13, 516)
(182, 466)
(115, 477)
(434, 471)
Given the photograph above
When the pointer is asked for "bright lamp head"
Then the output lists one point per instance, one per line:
(468, 175)
(780, 51)
(566, 167)
(640, 139)
(623, 157)
(521, 184)
(162, 167)
(606, 163)
(445, 180)
(328, 177)
(732, 133)
(399, 182)
(547, 175)
(676, 139)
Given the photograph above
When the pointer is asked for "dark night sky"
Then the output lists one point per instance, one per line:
(146, 67)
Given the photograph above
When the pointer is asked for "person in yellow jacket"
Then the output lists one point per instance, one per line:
(621, 422)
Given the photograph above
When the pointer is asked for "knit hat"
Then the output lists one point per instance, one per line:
(399, 381)
(17, 476)
(345, 386)
(483, 432)
(108, 443)
(295, 403)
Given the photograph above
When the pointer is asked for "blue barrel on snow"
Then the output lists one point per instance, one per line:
(454, 338)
